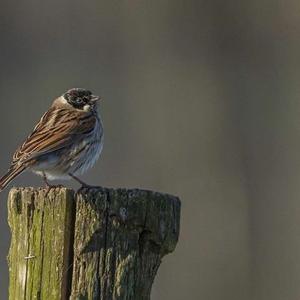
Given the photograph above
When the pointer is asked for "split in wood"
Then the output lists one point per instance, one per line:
(99, 243)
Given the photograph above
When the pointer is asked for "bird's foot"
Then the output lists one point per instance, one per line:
(49, 186)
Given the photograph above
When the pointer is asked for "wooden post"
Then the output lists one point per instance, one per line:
(95, 244)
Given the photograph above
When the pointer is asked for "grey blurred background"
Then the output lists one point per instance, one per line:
(201, 100)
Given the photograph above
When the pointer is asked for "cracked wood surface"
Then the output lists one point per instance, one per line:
(107, 247)
(39, 255)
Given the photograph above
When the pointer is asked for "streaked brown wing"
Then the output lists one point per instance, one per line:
(57, 129)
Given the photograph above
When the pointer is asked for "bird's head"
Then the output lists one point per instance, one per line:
(81, 99)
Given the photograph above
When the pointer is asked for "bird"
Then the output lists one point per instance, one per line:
(65, 143)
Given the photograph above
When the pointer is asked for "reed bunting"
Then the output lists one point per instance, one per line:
(66, 142)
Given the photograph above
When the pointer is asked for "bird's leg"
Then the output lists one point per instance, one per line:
(83, 184)
(48, 185)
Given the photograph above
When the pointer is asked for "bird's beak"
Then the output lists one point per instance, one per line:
(95, 98)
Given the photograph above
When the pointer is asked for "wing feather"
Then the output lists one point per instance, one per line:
(57, 129)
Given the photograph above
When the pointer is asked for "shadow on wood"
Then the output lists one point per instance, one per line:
(96, 244)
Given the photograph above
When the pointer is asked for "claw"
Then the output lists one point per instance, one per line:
(50, 186)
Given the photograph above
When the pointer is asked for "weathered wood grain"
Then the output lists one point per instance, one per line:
(39, 255)
(96, 244)
(120, 239)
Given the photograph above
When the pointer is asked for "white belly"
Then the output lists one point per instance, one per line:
(58, 165)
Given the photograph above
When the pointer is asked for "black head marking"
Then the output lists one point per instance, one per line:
(78, 97)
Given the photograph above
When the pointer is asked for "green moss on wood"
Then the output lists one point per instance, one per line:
(120, 237)
(40, 243)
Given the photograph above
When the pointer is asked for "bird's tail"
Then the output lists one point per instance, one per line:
(13, 172)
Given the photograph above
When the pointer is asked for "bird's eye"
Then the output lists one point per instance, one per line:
(79, 101)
